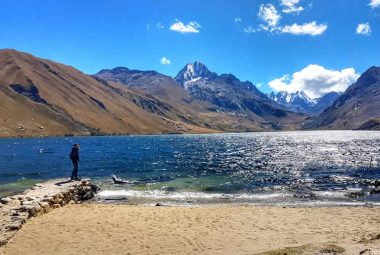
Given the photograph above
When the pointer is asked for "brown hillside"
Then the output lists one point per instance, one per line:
(41, 97)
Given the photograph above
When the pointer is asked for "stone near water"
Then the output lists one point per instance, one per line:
(5, 200)
(15, 213)
(45, 207)
(14, 226)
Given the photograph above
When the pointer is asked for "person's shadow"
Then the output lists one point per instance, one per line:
(63, 182)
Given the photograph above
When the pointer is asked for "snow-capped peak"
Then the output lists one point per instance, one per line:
(298, 97)
(302, 95)
(193, 72)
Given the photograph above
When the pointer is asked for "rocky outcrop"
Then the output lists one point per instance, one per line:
(38, 200)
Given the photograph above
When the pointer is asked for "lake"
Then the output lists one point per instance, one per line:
(280, 168)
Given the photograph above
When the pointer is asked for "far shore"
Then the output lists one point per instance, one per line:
(220, 229)
(173, 133)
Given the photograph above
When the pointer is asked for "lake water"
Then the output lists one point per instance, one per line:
(284, 168)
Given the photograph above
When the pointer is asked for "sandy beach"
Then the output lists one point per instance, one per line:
(223, 229)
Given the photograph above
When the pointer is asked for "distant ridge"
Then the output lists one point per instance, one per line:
(357, 108)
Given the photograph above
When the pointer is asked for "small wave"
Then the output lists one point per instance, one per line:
(335, 203)
(330, 148)
(330, 194)
(326, 198)
(339, 193)
(159, 194)
(342, 178)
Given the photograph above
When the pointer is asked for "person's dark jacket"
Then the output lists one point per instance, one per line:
(74, 155)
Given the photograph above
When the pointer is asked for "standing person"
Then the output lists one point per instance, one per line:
(74, 156)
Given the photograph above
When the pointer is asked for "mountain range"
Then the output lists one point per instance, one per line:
(220, 102)
(40, 97)
(299, 102)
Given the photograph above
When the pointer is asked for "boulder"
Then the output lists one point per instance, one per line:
(16, 225)
(5, 200)
(3, 241)
(45, 207)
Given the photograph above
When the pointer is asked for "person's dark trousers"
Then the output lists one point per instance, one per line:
(74, 175)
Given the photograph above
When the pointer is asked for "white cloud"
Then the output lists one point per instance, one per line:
(270, 21)
(147, 27)
(315, 81)
(374, 3)
(291, 6)
(159, 25)
(311, 28)
(249, 30)
(191, 27)
(363, 29)
(165, 61)
(237, 20)
(269, 15)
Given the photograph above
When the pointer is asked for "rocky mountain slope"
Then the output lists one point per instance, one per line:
(230, 95)
(357, 108)
(300, 102)
(42, 97)
(224, 91)
(153, 83)
(323, 103)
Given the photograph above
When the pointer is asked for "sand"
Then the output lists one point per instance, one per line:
(223, 229)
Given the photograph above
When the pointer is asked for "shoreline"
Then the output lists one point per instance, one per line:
(187, 198)
(135, 134)
(93, 228)
(201, 198)
(218, 199)
(190, 133)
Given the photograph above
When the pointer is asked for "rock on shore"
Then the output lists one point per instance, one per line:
(40, 199)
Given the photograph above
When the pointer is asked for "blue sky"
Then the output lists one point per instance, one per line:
(260, 41)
